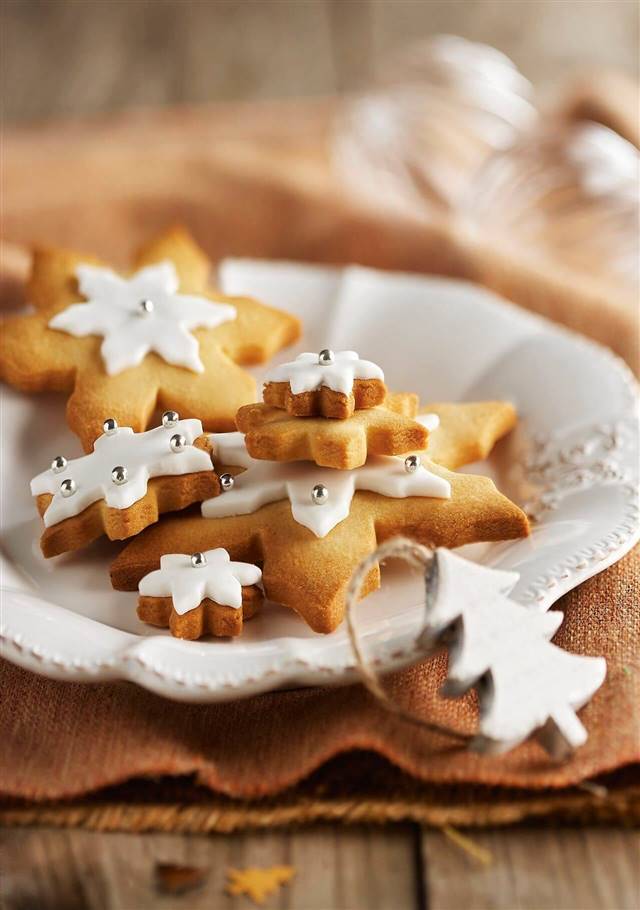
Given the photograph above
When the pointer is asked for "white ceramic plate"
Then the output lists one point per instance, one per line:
(574, 457)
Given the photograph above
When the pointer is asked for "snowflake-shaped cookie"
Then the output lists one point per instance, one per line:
(389, 429)
(394, 428)
(327, 384)
(35, 356)
(199, 594)
(189, 579)
(140, 314)
(109, 491)
(337, 371)
(320, 497)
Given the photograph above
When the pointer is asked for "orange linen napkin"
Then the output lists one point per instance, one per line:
(65, 739)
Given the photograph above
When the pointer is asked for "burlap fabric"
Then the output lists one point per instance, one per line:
(353, 788)
(114, 756)
(63, 741)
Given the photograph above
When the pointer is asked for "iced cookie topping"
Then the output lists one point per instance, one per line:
(430, 421)
(188, 580)
(320, 497)
(337, 371)
(119, 467)
(140, 314)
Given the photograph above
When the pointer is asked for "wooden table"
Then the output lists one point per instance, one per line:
(337, 868)
(67, 57)
(82, 57)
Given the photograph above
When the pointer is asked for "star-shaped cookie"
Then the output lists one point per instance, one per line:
(320, 497)
(199, 594)
(158, 339)
(309, 572)
(389, 429)
(327, 384)
(455, 434)
(467, 431)
(124, 485)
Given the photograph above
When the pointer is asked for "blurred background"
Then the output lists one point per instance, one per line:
(495, 140)
(68, 57)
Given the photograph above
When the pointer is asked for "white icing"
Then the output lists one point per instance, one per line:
(430, 421)
(306, 374)
(144, 455)
(219, 579)
(113, 310)
(269, 481)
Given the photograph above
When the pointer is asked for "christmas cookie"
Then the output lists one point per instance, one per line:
(388, 429)
(124, 484)
(309, 526)
(327, 384)
(204, 593)
(320, 498)
(468, 431)
(128, 345)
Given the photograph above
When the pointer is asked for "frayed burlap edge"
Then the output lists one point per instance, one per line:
(622, 807)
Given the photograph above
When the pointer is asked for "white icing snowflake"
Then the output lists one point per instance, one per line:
(140, 314)
(270, 481)
(306, 373)
(218, 579)
(142, 455)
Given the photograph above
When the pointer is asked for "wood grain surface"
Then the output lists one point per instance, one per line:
(64, 57)
(337, 868)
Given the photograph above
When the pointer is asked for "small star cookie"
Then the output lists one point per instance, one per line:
(258, 883)
(126, 346)
(200, 594)
(327, 384)
(389, 429)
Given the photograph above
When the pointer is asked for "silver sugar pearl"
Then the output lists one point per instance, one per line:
(198, 560)
(110, 426)
(67, 487)
(320, 494)
(226, 482)
(411, 464)
(170, 418)
(325, 357)
(58, 464)
(119, 475)
(146, 307)
(178, 443)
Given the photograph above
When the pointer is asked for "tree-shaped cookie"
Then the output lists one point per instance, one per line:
(328, 384)
(200, 593)
(309, 527)
(124, 484)
(388, 429)
(126, 346)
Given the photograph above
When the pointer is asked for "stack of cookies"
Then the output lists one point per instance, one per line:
(325, 468)
(315, 476)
